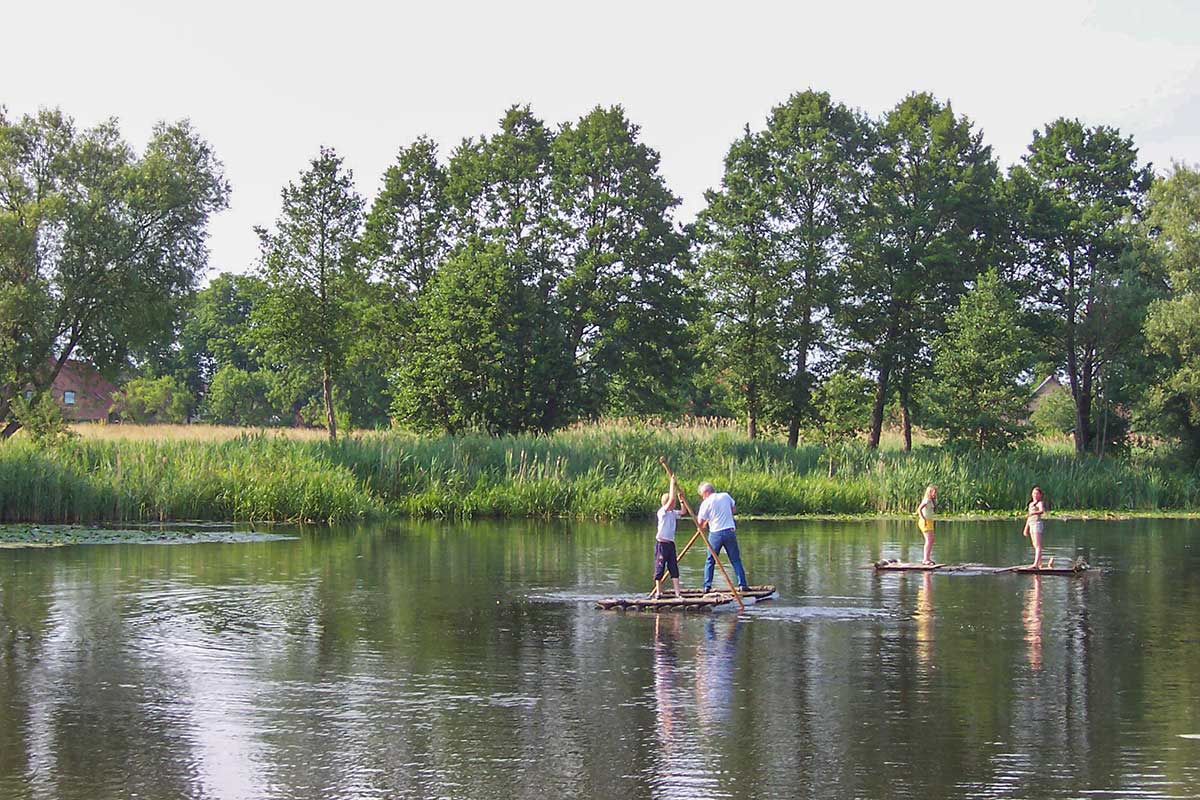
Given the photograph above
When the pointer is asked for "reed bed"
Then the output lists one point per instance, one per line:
(600, 471)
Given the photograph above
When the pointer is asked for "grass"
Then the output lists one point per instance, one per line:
(127, 473)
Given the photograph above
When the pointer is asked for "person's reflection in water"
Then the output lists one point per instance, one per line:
(666, 635)
(716, 660)
(924, 618)
(1031, 616)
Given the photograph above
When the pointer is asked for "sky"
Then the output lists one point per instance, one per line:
(268, 83)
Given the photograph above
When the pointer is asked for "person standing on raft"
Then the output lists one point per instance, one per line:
(665, 561)
(716, 514)
(925, 522)
(1034, 524)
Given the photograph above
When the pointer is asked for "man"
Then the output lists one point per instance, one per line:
(716, 514)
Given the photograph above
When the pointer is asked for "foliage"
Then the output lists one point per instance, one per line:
(164, 399)
(1172, 402)
(927, 227)
(743, 285)
(1076, 196)
(978, 365)
(41, 419)
(487, 355)
(313, 276)
(1055, 414)
(843, 404)
(98, 244)
(238, 397)
(817, 151)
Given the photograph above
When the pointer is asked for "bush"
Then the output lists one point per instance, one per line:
(164, 399)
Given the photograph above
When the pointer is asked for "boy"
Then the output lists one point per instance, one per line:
(664, 541)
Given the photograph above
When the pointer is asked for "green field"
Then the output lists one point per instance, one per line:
(600, 472)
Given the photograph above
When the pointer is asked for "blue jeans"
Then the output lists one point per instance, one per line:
(727, 539)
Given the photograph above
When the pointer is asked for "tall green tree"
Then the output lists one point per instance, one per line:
(99, 245)
(314, 276)
(744, 284)
(487, 352)
(1077, 195)
(978, 367)
(927, 227)
(620, 294)
(817, 151)
(1172, 402)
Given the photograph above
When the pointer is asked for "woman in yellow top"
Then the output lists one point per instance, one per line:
(925, 521)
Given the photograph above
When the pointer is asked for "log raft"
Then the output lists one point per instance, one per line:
(1078, 567)
(691, 600)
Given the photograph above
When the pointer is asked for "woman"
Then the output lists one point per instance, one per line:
(925, 522)
(1033, 524)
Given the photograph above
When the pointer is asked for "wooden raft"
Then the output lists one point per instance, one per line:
(1078, 567)
(692, 600)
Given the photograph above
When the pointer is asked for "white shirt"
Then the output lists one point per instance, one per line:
(667, 517)
(717, 508)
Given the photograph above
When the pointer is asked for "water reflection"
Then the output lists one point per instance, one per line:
(716, 664)
(1031, 617)
(924, 620)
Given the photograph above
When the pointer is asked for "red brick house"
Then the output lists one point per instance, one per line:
(83, 394)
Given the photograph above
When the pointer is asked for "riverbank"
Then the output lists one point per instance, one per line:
(603, 472)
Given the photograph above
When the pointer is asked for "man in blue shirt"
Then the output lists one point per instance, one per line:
(716, 514)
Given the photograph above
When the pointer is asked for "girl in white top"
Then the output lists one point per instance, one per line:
(1033, 524)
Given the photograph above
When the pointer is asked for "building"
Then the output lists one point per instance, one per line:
(1046, 388)
(83, 394)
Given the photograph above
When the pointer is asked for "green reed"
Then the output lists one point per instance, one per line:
(586, 472)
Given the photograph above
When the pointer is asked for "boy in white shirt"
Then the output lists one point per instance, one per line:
(664, 541)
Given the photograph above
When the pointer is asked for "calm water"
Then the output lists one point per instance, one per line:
(441, 661)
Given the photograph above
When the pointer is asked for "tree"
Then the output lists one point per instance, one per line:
(1172, 402)
(1077, 194)
(313, 274)
(978, 365)
(817, 151)
(487, 353)
(842, 403)
(620, 295)
(163, 399)
(743, 283)
(238, 397)
(927, 227)
(98, 245)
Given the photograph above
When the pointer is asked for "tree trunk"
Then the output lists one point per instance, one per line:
(327, 392)
(906, 423)
(794, 432)
(752, 425)
(881, 392)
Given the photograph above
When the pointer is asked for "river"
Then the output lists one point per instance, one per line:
(431, 660)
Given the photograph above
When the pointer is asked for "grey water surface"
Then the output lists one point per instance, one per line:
(466, 661)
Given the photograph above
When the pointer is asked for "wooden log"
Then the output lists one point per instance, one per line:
(904, 566)
(704, 602)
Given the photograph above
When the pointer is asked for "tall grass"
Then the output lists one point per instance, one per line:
(604, 471)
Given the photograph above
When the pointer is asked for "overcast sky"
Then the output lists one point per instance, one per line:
(267, 83)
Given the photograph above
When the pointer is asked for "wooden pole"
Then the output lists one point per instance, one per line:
(700, 533)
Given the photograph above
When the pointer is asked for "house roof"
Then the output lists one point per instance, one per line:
(82, 378)
(1051, 380)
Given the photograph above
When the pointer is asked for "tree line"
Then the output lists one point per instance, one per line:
(846, 268)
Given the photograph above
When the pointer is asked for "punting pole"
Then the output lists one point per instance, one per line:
(699, 533)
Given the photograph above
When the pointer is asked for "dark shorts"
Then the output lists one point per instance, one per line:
(664, 559)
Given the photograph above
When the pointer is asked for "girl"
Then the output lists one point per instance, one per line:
(925, 521)
(1033, 524)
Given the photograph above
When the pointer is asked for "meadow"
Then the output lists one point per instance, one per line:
(161, 473)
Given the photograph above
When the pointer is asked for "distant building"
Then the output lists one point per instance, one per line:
(83, 394)
(1044, 389)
